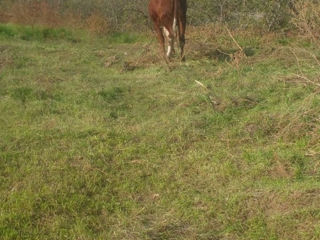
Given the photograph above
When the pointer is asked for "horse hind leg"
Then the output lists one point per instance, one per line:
(175, 29)
(161, 41)
(168, 32)
(181, 31)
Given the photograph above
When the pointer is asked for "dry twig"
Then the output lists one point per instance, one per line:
(210, 95)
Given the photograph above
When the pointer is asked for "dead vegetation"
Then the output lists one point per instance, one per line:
(304, 120)
(307, 19)
(51, 15)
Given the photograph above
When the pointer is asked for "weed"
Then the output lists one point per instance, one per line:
(111, 94)
(22, 94)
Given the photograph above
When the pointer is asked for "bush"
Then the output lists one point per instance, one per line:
(306, 18)
(102, 16)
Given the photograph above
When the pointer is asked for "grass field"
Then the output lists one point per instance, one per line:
(99, 140)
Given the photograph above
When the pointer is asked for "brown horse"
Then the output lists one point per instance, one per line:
(169, 18)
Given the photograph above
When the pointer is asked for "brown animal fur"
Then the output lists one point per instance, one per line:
(163, 13)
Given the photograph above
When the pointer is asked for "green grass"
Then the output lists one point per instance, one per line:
(92, 149)
(36, 33)
(123, 37)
